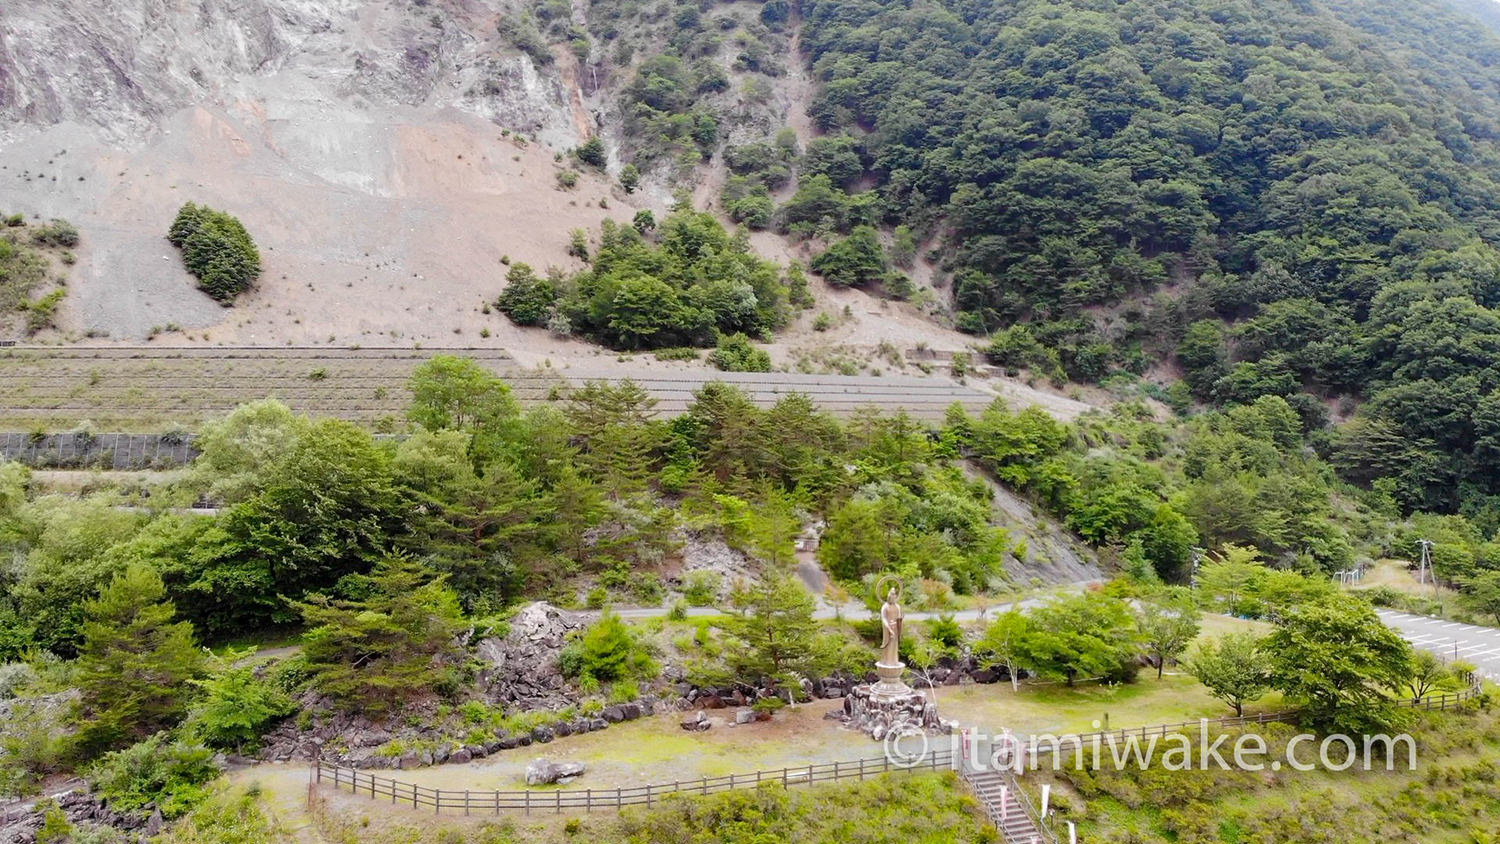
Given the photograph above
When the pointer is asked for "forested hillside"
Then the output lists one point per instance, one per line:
(1280, 198)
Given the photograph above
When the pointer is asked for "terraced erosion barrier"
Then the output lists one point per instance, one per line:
(98, 451)
(152, 389)
(161, 388)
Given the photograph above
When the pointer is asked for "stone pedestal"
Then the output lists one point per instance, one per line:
(889, 705)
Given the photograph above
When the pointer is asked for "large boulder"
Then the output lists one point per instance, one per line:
(547, 772)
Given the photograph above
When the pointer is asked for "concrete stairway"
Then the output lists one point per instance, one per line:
(1010, 817)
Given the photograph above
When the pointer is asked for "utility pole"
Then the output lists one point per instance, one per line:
(1425, 568)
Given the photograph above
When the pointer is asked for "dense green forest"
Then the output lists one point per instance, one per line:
(1290, 198)
(1284, 197)
(1287, 198)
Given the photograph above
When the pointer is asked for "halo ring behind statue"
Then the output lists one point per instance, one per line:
(880, 593)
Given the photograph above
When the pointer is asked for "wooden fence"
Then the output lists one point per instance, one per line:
(471, 802)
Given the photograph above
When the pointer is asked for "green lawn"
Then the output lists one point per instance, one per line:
(1055, 708)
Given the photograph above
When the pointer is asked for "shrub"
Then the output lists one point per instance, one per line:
(624, 691)
(226, 818)
(170, 775)
(946, 631)
(528, 299)
(578, 244)
(754, 210)
(15, 676)
(236, 708)
(630, 178)
(768, 704)
(607, 651)
(567, 179)
(39, 314)
(855, 261)
(34, 743)
(735, 354)
(56, 828)
(217, 250)
(55, 233)
(702, 588)
(591, 152)
(596, 598)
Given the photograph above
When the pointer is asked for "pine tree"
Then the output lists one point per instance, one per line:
(778, 636)
(135, 661)
(775, 526)
(616, 441)
(391, 646)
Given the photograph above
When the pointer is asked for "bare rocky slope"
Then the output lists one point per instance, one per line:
(370, 147)
(376, 152)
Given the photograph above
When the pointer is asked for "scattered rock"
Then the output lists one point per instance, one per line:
(547, 772)
(522, 670)
(697, 722)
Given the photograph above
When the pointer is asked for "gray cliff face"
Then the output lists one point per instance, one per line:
(123, 66)
(374, 149)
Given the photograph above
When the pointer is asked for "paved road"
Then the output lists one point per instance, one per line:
(1478, 645)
